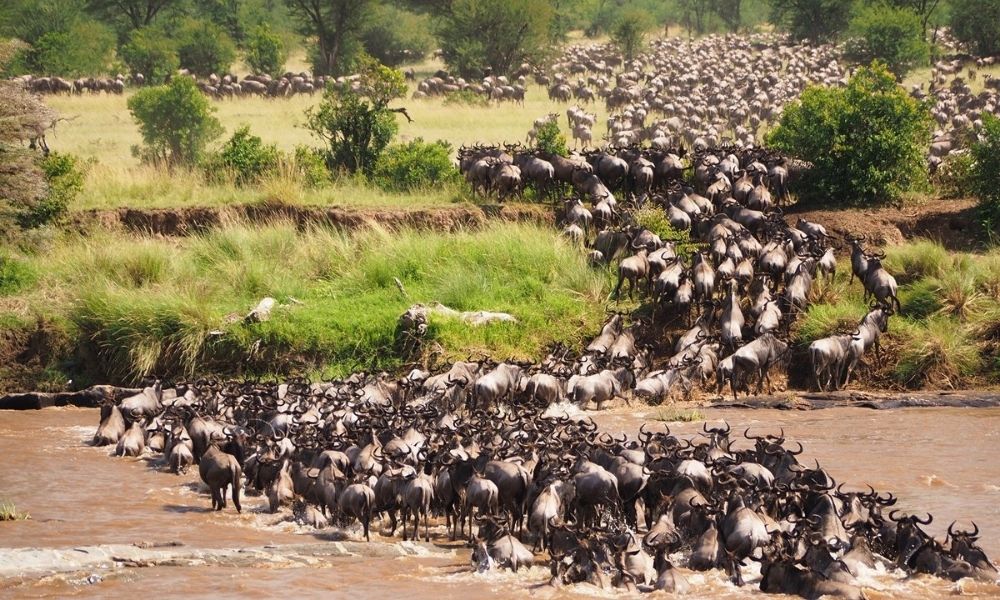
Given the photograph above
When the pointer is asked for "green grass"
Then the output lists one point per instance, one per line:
(679, 415)
(8, 512)
(138, 305)
(947, 334)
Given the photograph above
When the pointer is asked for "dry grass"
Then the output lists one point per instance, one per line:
(8, 512)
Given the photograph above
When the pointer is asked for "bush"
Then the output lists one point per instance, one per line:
(466, 98)
(358, 125)
(15, 275)
(976, 23)
(953, 177)
(394, 36)
(204, 48)
(866, 141)
(265, 52)
(244, 156)
(655, 219)
(815, 20)
(151, 53)
(175, 121)
(551, 140)
(64, 181)
(416, 164)
(894, 36)
(985, 171)
(311, 167)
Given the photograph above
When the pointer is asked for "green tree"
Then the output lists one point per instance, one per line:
(336, 25)
(984, 178)
(204, 48)
(265, 52)
(136, 13)
(176, 122)
(394, 36)
(866, 142)
(500, 36)
(151, 53)
(894, 36)
(629, 32)
(86, 48)
(731, 13)
(694, 15)
(357, 125)
(976, 23)
(924, 8)
(814, 20)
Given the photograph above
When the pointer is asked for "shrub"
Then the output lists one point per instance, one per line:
(466, 98)
(655, 220)
(246, 157)
(265, 52)
(866, 141)
(175, 121)
(894, 36)
(985, 171)
(358, 125)
(551, 140)
(976, 23)
(151, 53)
(64, 181)
(311, 167)
(204, 48)
(394, 36)
(416, 164)
(816, 20)
(953, 177)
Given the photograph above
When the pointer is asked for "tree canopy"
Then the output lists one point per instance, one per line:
(894, 36)
(478, 37)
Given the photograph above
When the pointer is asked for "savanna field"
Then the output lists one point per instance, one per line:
(463, 299)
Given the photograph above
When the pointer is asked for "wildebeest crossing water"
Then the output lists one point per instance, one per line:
(929, 473)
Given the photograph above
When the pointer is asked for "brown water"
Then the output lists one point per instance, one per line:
(938, 460)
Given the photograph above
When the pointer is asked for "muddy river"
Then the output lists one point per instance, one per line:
(942, 460)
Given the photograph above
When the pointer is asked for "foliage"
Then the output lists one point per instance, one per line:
(15, 275)
(953, 177)
(204, 48)
(937, 353)
(866, 141)
(466, 98)
(551, 140)
(244, 156)
(358, 125)
(135, 13)
(924, 9)
(394, 36)
(63, 181)
(176, 122)
(629, 32)
(976, 23)
(311, 167)
(894, 36)
(86, 48)
(264, 51)
(336, 25)
(152, 53)
(416, 164)
(985, 171)
(814, 20)
(654, 219)
(498, 36)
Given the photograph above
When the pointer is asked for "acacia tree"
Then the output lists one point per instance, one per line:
(629, 32)
(923, 8)
(891, 35)
(477, 35)
(336, 25)
(356, 123)
(138, 13)
(976, 23)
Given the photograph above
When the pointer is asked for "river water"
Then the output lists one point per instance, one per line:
(942, 460)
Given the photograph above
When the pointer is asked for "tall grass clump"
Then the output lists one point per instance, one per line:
(916, 260)
(175, 307)
(822, 320)
(936, 354)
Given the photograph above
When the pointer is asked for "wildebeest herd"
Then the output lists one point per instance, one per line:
(525, 484)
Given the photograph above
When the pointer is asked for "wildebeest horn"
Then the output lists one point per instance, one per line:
(930, 518)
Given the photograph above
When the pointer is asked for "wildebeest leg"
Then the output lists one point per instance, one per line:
(222, 496)
(366, 521)
(427, 526)
(236, 496)
(406, 515)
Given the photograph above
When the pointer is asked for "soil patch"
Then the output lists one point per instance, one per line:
(952, 223)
